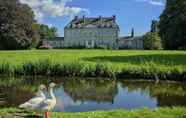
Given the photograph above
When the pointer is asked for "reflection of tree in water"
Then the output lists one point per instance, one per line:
(15, 96)
(166, 93)
(15, 91)
(91, 90)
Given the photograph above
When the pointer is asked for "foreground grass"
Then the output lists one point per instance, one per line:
(175, 112)
(93, 63)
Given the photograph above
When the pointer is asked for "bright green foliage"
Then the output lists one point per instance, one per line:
(173, 25)
(152, 41)
(16, 20)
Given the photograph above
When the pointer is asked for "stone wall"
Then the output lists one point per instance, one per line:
(54, 43)
(131, 43)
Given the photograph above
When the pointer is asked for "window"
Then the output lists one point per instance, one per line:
(89, 42)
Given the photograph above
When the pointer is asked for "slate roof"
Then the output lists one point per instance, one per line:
(98, 22)
(130, 38)
(55, 39)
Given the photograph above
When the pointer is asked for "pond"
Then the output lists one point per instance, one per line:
(75, 95)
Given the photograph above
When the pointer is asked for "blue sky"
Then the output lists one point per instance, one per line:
(130, 14)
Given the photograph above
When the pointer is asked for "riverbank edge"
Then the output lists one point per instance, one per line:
(105, 70)
(163, 112)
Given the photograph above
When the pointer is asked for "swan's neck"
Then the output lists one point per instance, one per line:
(52, 93)
(41, 94)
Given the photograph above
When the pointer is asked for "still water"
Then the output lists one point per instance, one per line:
(94, 94)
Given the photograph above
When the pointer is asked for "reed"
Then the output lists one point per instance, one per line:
(78, 69)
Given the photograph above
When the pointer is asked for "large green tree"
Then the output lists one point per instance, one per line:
(45, 32)
(16, 25)
(173, 25)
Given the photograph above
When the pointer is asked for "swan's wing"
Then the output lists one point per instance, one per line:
(32, 103)
(36, 100)
(48, 101)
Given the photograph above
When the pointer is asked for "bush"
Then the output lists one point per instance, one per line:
(152, 41)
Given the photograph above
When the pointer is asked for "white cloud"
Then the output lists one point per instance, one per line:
(153, 2)
(52, 8)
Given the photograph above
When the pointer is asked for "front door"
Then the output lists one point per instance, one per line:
(89, 44)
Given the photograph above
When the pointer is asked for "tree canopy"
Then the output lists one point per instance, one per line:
(45, 32)
(173, 25)
(16, 25)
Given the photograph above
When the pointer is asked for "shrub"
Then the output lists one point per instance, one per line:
(152, 41)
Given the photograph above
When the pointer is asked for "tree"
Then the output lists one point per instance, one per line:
(152, 41)
(16, 25)
(173, 25)
(45, 32)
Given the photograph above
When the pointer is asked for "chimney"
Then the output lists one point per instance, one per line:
(76, 17)
(100, 18)
(132, 32)
(83, 18)
(114, 17)
(100, 21)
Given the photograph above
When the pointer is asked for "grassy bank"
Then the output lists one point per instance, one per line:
(95, 63)
(176, 112)
(106, 70)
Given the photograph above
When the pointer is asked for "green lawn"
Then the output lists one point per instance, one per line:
(164, 64)
(176, 112)
(118, 58)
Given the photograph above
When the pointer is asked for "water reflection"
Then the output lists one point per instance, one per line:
(166, 93)
(99, 91)
(96, 94)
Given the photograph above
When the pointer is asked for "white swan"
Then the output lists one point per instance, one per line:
(35, 102)
(50, 103)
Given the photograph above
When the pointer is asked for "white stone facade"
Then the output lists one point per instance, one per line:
(92, 33)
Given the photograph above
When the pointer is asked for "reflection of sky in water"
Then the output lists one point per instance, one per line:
(134, 99)
(124, 99)
(90, 95)
(63, 100)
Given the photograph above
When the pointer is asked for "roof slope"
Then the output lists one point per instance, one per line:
(99, 22)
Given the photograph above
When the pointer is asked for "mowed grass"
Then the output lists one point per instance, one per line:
(96, 63)
(175, 112)
(117, 58)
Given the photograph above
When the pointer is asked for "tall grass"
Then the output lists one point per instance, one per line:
(79, 69)
(47, 68)
(152, 71)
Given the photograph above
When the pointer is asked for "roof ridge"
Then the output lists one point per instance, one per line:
(97, 22)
